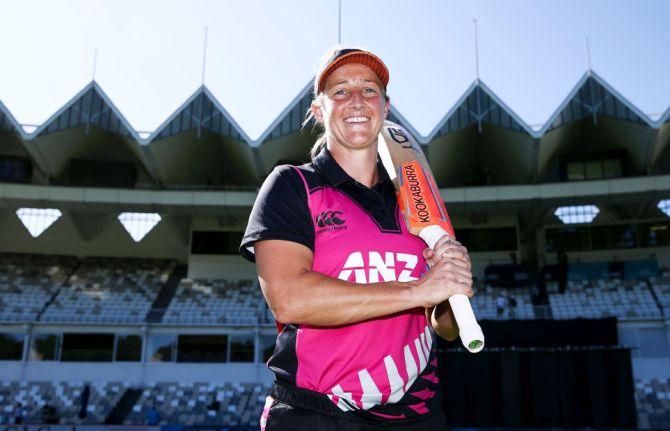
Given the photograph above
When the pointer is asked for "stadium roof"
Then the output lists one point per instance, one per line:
(465, 147)
(90, 106)
(7, 120)
(592, 95)
(200, 111)
(478, 105)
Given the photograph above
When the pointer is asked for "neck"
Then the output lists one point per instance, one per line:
(359, 164)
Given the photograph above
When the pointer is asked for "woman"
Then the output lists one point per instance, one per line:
(348, 285)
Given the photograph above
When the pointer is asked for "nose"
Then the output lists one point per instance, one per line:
(356, 100)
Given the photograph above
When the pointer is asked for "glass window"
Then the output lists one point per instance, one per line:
(15, 170)
(594, 169)
(161, 348)
(654, 234)
(615, 236)
(202, 348)
(87, 347)
(242, 348)
(45, 347)
(11, 347)
(607, 237)
(488, 239)
(128, 348)
(575, 171)
(568, 239)
(612, 168)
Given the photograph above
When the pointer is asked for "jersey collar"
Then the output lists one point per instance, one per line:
(328, 166)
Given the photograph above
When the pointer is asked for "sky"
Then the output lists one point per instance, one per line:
(262, 53)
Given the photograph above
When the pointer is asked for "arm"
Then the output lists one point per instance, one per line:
(296, 294)
(443, 321)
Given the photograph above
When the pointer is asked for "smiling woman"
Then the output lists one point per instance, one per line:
(342, 274)
(375, 78)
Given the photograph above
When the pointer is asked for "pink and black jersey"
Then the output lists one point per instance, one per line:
(384, 367)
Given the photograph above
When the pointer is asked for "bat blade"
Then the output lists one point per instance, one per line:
(417, 191)
(424, 211)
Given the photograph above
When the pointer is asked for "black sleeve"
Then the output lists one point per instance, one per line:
(280, 212)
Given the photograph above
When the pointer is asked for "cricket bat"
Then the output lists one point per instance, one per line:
(424, 212)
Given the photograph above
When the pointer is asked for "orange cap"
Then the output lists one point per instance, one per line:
(354, 55)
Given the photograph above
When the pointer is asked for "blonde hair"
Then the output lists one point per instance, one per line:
(317, 97)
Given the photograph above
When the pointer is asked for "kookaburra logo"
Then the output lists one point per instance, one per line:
(373, 267)
(328, 218)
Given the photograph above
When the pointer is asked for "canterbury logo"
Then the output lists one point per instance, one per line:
(329, 218)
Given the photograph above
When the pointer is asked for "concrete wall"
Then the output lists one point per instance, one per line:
(134, 372)
(94, 235)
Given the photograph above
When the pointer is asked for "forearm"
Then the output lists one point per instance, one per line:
(316, 299)
(443, 321)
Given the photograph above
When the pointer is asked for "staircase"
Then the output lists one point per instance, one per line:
(123, 407)
(162, 302)
(64, 284)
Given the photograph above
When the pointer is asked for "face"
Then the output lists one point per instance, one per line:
(353, 107)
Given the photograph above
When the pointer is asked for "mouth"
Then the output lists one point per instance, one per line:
(356, 120)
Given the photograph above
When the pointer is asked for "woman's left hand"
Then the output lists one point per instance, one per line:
(448, 246)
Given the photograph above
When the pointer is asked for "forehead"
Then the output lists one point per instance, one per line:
(352, 72)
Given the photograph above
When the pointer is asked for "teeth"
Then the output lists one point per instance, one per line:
(356, 120)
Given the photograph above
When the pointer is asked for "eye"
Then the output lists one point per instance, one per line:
(369, 91)
(339, 94)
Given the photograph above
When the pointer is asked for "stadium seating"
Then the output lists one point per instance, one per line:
(216, 302)
(625, 299)
(109, 290)
(28, 282)
(187, 403)
(64, 396)
(652, 398)
(484, 303)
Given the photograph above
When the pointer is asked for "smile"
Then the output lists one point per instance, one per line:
(356, 120)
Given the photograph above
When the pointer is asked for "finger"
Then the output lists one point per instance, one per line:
(459, 288)
(462, 279)
(458, 261)
(453, 249)
(456, 254)
(446, 239)
(456, 268)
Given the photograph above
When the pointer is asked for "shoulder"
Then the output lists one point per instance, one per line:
(306, 176)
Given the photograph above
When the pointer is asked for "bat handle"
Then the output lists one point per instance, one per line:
(470, 332)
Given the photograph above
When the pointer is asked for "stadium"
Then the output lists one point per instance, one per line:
(124, 301)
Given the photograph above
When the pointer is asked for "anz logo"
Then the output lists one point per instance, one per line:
(374, 267)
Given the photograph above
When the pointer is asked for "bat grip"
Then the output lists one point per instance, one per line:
(469, 330)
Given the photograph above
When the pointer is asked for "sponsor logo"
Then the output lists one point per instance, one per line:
(330, 221)
(374, 267)
(400, 137)
(418, 200)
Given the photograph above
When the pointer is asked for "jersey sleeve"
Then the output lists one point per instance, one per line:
(280, 212)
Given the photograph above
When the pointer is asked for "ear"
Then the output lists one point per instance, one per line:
(316, 112)
(387, 107)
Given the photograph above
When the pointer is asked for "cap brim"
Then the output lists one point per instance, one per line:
(359, 57)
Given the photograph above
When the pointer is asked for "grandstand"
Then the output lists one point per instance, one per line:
(119, 267)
